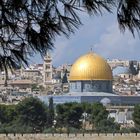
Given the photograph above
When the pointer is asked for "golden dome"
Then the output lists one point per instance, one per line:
(90, 67)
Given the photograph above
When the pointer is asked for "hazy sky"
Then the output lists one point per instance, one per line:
(103, 34)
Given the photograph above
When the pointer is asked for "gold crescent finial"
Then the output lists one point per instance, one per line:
(91, 49)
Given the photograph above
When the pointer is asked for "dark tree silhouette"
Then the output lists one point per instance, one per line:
(65, 79)
(128, 13)
(51, 112)
(136, 116)
(69, 115)
(133, 70)
(31, 26)
(32, 112)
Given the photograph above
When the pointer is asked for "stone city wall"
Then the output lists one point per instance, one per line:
(71, 136)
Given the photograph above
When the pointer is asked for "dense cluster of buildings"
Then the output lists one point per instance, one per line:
(114, 83)
(47, 79)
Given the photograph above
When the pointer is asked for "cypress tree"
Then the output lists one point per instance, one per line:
(51, 112)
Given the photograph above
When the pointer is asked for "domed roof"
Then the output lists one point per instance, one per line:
(121, 70)
(105, 101)
(90, 67)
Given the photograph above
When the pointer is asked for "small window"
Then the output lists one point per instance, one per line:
(47, 66)
(47, 74)
(75, 85)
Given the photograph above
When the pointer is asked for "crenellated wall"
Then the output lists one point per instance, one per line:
(110, 136)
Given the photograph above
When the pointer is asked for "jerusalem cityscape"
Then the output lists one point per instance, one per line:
(69, 70)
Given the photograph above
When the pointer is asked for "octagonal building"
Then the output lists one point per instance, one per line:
(90, 73)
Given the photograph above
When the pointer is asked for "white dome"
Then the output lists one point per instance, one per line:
(121, 70)
(105, 101)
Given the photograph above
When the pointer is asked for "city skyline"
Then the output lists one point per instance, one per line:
(102, 34)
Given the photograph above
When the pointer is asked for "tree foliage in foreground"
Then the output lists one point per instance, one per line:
(98, 114)
(136, 116)
(30, 115)
(69, 115)
(7, 113)
(32, 112)
(100, 120)
(108, 125)
(51, 112)
(31, 26)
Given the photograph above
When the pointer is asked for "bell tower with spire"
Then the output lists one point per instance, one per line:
(47, 70)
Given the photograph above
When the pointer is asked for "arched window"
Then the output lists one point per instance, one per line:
(75, 85)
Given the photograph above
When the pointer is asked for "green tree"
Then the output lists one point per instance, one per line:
(33, 113)
(51, 112)
(69, 115)
(7, 114)
(87, 107)
(108, 125)
(133, 70)
(136, 116)
(31, 26)
(98, 114)
(2, 113)
(65, 79)
(101, 121)
(35, 87)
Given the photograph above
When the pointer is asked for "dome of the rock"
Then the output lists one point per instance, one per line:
(90, 67)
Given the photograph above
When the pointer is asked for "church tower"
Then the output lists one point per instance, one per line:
(47, 70)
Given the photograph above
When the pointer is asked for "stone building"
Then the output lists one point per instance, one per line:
(31, 74)
(47, 72)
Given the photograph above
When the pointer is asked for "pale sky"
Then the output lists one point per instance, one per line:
(103, 34)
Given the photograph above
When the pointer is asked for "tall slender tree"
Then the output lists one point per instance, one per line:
(51, 112)
(136, 116)
(65, 79)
